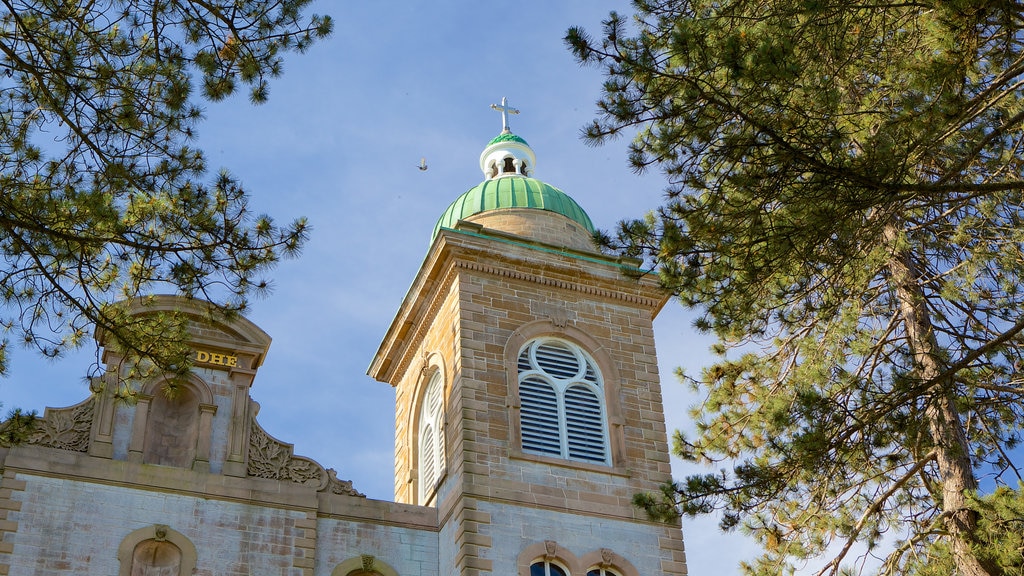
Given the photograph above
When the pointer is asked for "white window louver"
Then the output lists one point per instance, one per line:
(584, 424)
(561, 402)
(428, 472)
(432, 452)
(539, 417)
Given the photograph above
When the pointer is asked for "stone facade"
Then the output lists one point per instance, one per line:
(190, 483)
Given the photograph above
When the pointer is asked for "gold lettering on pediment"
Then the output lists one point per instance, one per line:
(207, 357)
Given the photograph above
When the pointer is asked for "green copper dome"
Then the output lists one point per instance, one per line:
(512, 192)
(507, 137)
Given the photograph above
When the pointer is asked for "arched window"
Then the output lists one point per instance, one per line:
(431, 438)
(601, 572)
(561, 401)
(545, 568)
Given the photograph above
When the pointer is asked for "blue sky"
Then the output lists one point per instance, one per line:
(339, 142)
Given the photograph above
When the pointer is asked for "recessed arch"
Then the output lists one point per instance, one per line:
(173, 425)
(198, 386)
(154, 535)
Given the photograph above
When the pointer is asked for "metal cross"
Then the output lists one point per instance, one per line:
(505, 111)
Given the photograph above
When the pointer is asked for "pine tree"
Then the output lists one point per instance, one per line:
(102, 197)
(845, 211)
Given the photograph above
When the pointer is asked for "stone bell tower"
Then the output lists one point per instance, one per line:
(528, 404)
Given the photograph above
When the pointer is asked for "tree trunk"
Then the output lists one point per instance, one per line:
(944, 425)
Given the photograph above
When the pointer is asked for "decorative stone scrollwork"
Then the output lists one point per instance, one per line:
(336, 486)
(272, 459)
(65, 428)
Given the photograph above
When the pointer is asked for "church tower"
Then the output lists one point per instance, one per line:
(528, 405)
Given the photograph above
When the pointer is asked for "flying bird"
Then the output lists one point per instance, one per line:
(423, 164)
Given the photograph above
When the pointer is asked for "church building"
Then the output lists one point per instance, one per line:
(528, 413)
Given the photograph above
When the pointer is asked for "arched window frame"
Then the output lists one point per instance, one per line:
(606, 562)
(431, 457)
(561, 400)
(610, 376)
(546, 554)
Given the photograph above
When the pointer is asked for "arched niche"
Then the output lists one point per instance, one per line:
(156, 551)
(174, 422)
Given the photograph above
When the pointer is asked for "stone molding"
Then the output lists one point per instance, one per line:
(454, 252)
(440, 291)
(451, 270)
(21, 463)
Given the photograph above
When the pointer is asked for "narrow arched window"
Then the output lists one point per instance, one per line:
(509, 166)
(561, 402)
(431, 438)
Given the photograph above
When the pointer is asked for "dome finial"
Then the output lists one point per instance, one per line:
(505, 111)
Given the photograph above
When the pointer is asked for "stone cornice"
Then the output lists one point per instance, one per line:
(590, 290)
(286, 495)
(457, 251)
(399, 346)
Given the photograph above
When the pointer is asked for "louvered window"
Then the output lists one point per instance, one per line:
(561, 402)
(431, 447)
